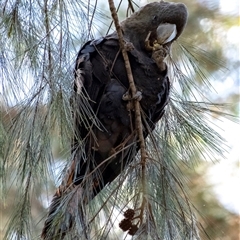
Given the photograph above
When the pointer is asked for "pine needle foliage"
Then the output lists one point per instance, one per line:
(39, 42)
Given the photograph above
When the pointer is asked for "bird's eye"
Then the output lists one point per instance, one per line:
(154, 19)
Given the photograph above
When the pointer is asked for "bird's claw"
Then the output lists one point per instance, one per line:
(129, 46)
(137, 96)
(159, 56)
(128, 97)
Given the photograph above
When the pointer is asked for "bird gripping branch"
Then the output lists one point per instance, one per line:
(105, 138)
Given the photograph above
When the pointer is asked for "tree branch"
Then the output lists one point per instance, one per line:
(137, 107)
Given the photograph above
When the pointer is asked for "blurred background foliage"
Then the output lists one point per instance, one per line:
(209, 37)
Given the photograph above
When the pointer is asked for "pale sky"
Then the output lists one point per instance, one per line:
(230, 6)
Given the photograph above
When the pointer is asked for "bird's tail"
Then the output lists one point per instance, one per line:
(64, 207)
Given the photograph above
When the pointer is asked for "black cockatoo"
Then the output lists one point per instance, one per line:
(105, 140)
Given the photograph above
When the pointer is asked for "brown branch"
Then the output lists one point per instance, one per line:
(137, 106)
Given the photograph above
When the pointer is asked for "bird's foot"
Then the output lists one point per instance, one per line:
(128, 97)
(159, 56)
(129, 46)
(162, 53)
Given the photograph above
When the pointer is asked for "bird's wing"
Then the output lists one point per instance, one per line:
(105, 139)
(105, 82)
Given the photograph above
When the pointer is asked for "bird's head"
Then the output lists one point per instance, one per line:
(150, 17)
